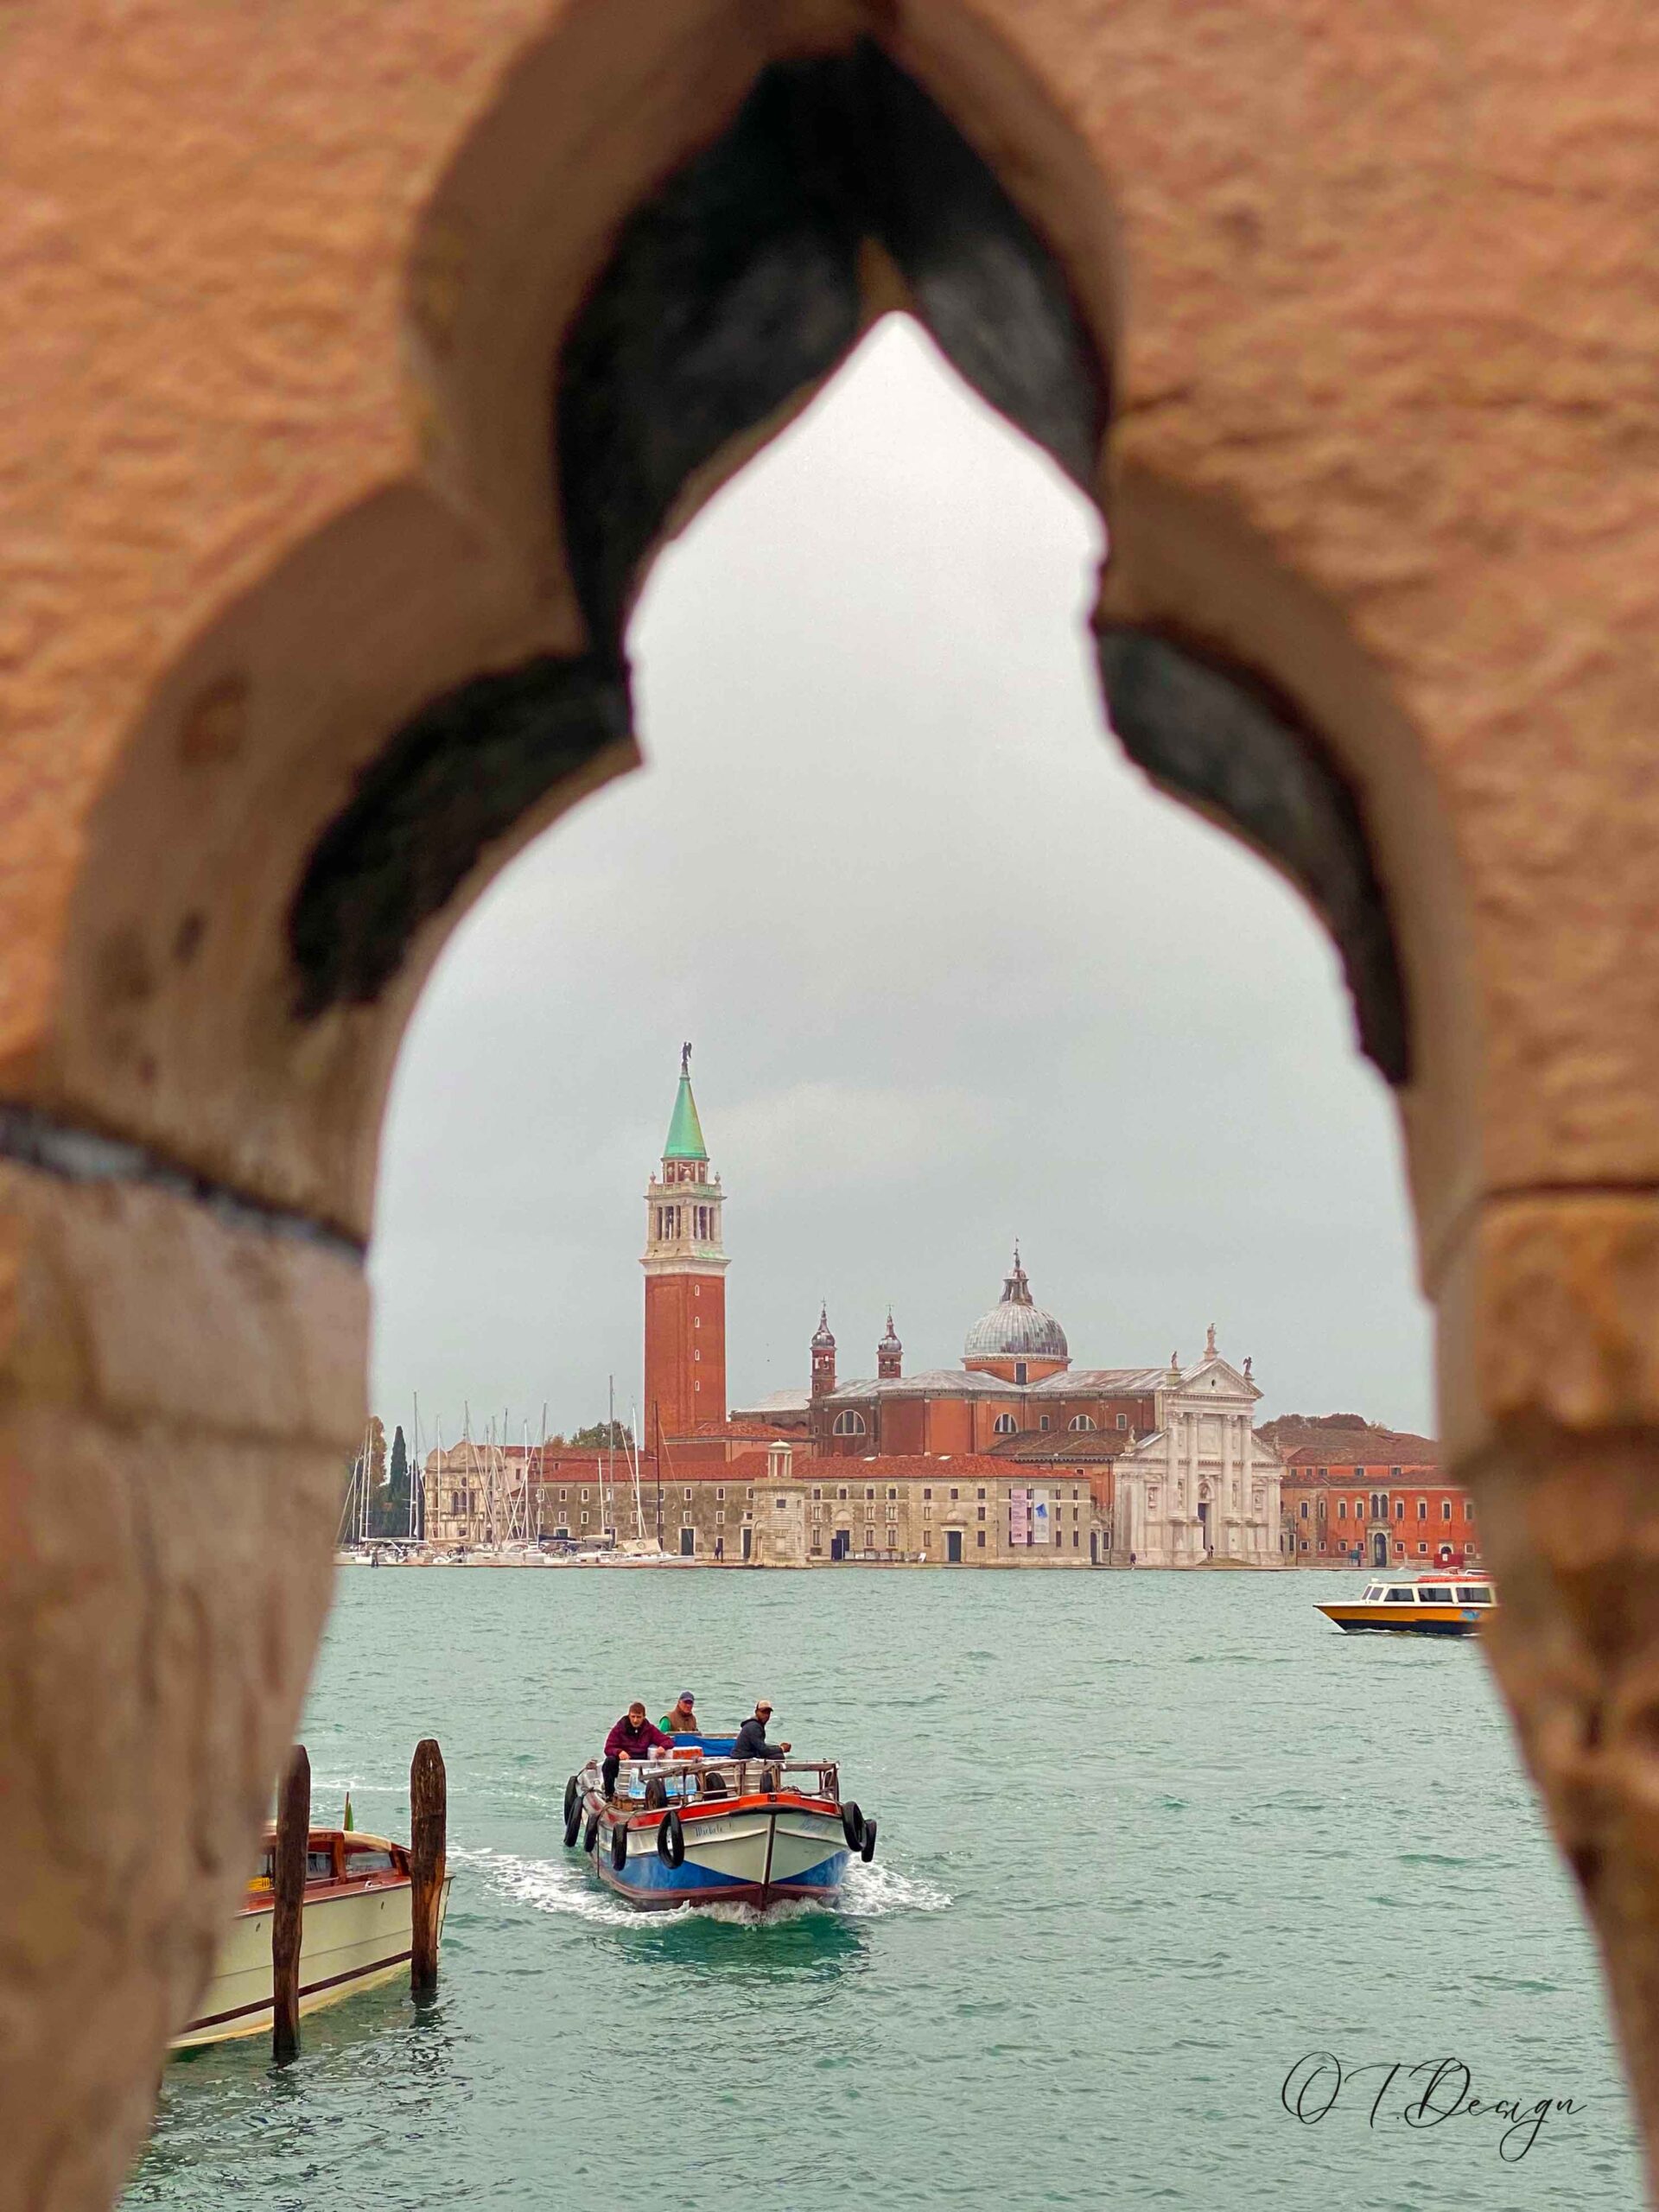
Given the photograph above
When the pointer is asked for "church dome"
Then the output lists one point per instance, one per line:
(1014, 1328)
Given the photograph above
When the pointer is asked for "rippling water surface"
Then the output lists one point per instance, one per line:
(1145, 1840)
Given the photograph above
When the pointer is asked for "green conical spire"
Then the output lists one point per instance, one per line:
(685, 1131)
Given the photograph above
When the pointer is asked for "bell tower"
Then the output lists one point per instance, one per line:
(889, 1354)
(685, 1280)
(823, 1356)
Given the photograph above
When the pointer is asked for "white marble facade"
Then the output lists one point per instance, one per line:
(1203, 1485)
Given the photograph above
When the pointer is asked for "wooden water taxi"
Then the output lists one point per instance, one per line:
(698, 1827)
(1437, 1604)
(356, 1934)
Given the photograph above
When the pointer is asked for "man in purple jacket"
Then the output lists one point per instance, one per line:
(633, 1738)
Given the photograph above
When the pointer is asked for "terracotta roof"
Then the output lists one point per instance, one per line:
(1048, 1444)
(941, 1467)
(743, 1426)
(1339, 1439)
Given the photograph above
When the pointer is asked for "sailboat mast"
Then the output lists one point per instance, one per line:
(610, 1439)
(633, 1449)
(541, 1471)
(415, 1475)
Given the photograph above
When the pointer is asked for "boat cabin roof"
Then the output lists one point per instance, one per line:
(1432, 1590)
(337, 1855)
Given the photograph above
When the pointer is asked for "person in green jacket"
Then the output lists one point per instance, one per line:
(680, 1720)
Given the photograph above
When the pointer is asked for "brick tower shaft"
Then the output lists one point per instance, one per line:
(685, 1281)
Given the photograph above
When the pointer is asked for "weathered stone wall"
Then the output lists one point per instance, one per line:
(343, 412)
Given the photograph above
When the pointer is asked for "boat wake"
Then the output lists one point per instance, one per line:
(872, 1891)
(562, 1885)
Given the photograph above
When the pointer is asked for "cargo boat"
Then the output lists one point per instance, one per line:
(698, 1827)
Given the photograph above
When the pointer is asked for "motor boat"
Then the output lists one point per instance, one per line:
(1442, 1602)
(698, 1826)
(356, 1927)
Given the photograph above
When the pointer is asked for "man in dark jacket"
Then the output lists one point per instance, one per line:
(633, 1738)
(752, 1737)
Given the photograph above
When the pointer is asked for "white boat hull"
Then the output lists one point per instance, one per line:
(349, 1942)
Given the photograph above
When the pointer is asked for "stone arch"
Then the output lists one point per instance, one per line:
(366, 734)
(194, 1060)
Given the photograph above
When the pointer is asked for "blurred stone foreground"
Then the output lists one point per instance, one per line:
(357, 359)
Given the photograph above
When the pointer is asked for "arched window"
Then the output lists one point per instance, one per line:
(1080, 1421)
(1004, 1424)
(848, 1424)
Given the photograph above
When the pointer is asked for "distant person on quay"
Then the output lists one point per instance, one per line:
(680, 1720)
(752, 1737)
(633, 1738)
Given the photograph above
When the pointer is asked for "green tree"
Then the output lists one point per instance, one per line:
(377, 1474)
(396, 1521)
(600, 1437)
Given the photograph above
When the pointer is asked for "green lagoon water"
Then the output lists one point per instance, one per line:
(1145, 1841)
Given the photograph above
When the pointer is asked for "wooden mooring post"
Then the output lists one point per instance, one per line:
(287, 1919)
(427, 1851)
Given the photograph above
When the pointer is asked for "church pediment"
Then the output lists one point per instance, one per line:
(1215, 1378)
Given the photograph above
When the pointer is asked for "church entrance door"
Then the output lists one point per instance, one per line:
(1204, 1525)
(953, 1548)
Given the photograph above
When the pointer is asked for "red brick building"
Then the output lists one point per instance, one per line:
(1041, 1438)
(1353, 1494)
(1015, 1387)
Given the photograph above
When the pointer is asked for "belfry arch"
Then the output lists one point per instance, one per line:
(559, 272)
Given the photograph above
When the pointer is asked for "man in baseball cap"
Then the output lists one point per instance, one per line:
(680, 1720)
(751, 1736)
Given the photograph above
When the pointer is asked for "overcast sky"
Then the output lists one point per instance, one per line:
(953, 972)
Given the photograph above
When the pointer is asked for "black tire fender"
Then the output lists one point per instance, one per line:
(620, 1846)
(670, 1840)
(573, 1824)
(572, 1797)
(852, 1825)
(591, 1832)
(867, 1849)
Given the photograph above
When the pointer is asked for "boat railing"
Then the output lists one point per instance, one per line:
(703, 1780)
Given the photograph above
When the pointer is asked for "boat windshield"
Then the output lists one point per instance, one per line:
(1374, 1592)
